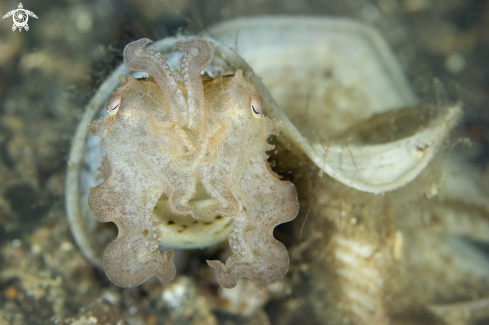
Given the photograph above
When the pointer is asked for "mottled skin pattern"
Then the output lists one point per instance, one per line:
(171, 132)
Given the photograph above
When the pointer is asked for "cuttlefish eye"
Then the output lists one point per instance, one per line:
(113, 105)
(256, 107)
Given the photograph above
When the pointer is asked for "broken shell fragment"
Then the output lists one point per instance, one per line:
(384, 167)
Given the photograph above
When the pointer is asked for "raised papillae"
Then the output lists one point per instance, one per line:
(173, 136)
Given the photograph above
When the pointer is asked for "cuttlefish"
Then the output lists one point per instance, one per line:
(179, 133)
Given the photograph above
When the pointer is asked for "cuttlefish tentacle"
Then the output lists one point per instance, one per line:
(221, 189)
(180, 145)
(198, 54)
(137, 58)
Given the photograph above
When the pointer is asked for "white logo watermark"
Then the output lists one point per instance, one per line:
(20, 17)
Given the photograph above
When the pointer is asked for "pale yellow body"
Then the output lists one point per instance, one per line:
(196, 150)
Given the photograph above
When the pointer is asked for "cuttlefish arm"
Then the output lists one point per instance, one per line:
(198, 54)
(137, 58)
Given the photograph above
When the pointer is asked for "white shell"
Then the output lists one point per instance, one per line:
(304, 61)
